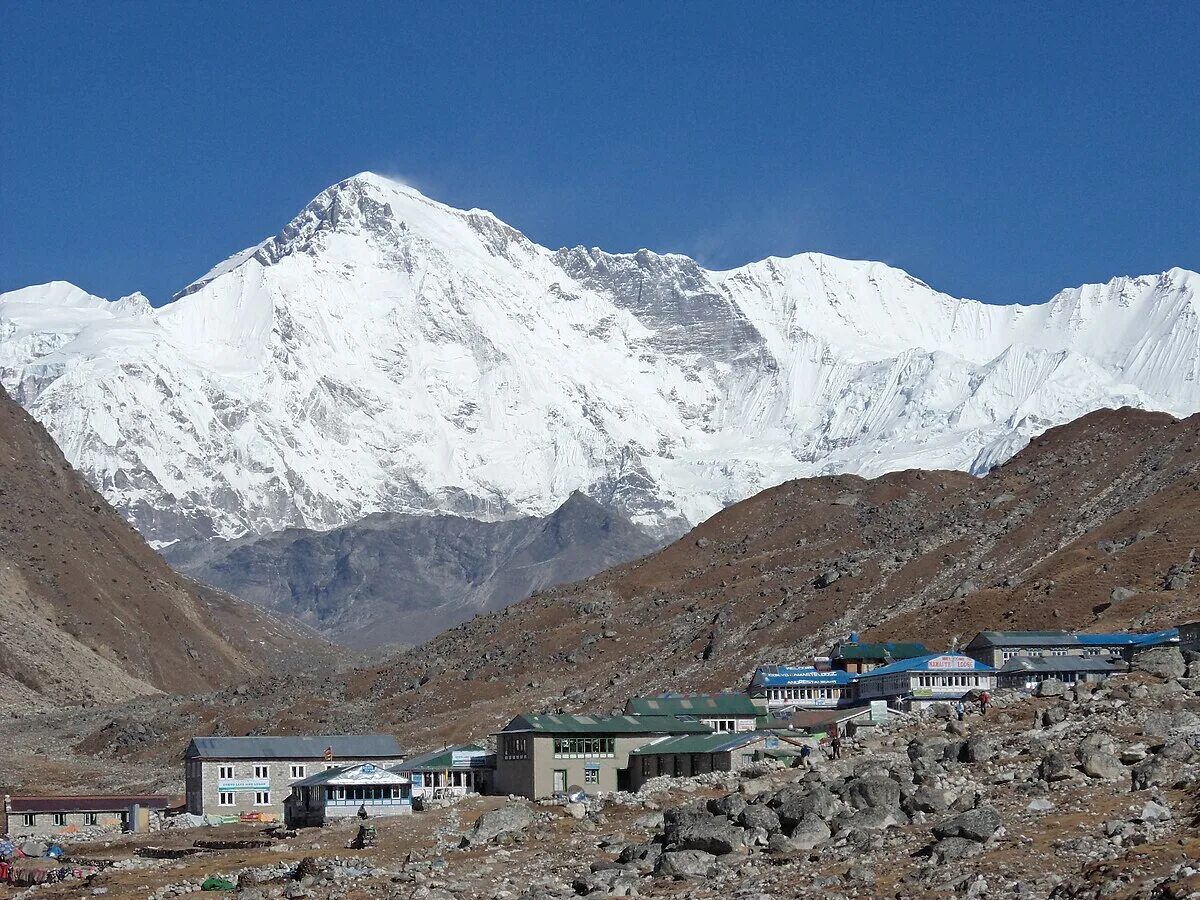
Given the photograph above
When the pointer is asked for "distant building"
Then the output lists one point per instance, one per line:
(540, 755)
(1189, 636)
(682, 756)
(235, 775)
(926, 679)
(1026, 672)
(340, 792)
(819, 722)
(997, 647)
(855, 656)
(24, 816)
(720, 712)
(450, 772)
(776, 688)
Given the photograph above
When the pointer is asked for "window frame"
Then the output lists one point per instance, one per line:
(221, 801)
(262, 798)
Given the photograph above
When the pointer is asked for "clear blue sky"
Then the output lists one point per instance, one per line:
(999, 150)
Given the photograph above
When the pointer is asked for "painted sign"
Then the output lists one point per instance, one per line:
(254, 784)
(418, 780)
(878, 711)
(368, 769)
(772, 743)
(463, 759)
(951, 662)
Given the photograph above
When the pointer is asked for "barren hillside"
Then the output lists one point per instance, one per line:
(88, 612)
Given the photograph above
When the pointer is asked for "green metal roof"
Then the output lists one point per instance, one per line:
(564, 724)
(444, 759)
(692, 705)
(883, 650)
(712, 743)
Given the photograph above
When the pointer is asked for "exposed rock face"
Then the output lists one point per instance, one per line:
(402, 579)
(974, 825)
(1165, 662)
(89, 612)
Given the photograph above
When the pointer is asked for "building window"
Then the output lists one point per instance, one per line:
(262, 798)
(91, 819)
(298, 771)
(30, 820)
(225, 798)
(647, 765)
(329, 766)
(568, 748)
(225, 772)
(591, 776)
(516, 746)
(263, 772)
(747, 758)
(60, 819)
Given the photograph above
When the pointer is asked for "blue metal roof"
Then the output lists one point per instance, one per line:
(799, 676)
(1128, 639)
(956, 662)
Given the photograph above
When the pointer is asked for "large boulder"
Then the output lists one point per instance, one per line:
(927, 799)
(976, 824)
(793, 804)
(874, 792)
(1100, 764)
(980, 748)
(685, 864)
(808, 833)
(759, 815)
(688, 815)
(1054, 767)
(713, 839)
(729, 806)
(1051, 687)
(1164, 662)
(508, 819)
(953, 848)
(932, 749)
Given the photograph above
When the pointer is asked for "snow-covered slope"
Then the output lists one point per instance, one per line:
(385, 352)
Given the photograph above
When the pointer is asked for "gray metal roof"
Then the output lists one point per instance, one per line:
(1024, 639)
(1057, 664)
(344, 746)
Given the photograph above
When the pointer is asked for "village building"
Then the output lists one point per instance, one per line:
(450, 772)
(1026, 672)
(926, 679)
(997, 647)
(347, 791)
(682, 756)
(727, 712)
(239, 775)
(819, 723)
(857, 657)
(1189, 636)
(775, 688)
(538, 756)
(35, 817)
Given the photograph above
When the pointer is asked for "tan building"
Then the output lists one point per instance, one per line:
(52, 816)
(236, 775)
(683, 756)
(540, 755)
(998, 647)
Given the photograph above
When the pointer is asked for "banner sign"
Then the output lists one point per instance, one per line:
(464, 759)
(255, 784)
(951, 662)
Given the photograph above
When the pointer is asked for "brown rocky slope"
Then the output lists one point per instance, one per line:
(88, 612)
(1092, 526)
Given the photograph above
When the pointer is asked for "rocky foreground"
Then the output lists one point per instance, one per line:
(1077, 792)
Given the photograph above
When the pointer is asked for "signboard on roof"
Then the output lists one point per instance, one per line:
(951, 662)
(464, 759)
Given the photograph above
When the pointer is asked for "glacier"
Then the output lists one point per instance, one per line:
(387, 353)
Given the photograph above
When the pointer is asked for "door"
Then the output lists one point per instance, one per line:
(560, 781)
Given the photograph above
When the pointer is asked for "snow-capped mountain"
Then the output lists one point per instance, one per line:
(387, 353)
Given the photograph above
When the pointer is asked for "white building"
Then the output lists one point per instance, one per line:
(926, 679)
(804, 687)
(342, 792)
(239, 775)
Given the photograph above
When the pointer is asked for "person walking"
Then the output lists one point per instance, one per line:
(961, 709)
(836, 743)
(984, 699)
(806, 756)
